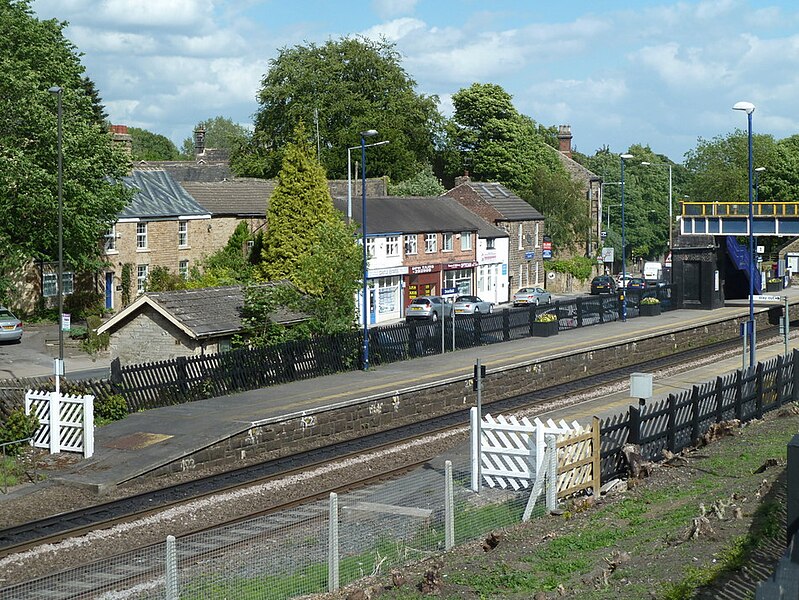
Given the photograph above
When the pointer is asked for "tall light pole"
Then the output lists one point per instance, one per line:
(349, 176)
(59, 364)
(671, 214)
(623, 157)
(609, 206)
(364, 135)
(749, 108)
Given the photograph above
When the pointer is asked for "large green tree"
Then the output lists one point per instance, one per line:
(221, 133)
(342, 88)
(151, 146)
(491, 140)
(34, 57)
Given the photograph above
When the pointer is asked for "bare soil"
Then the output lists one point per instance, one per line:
(670, 535)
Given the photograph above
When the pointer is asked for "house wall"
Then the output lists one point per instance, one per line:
(523, 271)
(150, 337)
(492, 271)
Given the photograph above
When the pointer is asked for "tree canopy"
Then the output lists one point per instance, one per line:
(422, 183)
(339, 89)
(151, 146)
(491, 140)
(34, 57)
(221, 133)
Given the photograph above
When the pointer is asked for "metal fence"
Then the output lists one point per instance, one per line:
(288, 553)
(185, 379)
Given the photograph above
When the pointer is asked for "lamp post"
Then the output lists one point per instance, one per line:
(749, 108)
(59, 364)
(349, 175)
(609, 206)
(364, 135)
(623, 157)
(671, 215)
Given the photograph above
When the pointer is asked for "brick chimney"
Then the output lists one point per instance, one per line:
(199, 141)
(120, 136)
(462, 179)
(565, 139)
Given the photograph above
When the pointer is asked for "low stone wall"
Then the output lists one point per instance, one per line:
(314, 429)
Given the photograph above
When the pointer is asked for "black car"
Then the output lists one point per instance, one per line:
(603, 284)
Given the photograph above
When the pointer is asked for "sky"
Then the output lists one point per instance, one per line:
(651, 72)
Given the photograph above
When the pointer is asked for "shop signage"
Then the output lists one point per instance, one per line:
(387, 272)
(529, 255)
(461, 265)
(421, 269)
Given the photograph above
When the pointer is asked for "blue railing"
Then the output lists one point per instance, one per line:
(739, 255)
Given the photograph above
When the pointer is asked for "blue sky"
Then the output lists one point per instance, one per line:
(621, 72)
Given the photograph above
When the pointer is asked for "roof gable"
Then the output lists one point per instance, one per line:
(505, 205)
(158, 195)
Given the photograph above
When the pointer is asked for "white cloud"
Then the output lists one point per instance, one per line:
(171, 14)
(391, 8)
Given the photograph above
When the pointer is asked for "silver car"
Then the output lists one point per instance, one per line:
(470, 305)
(10, 326)
(532, 295)
(432, 308)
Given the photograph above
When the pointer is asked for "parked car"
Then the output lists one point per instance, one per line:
(469, 305)
(10, 326)
(603, 284)
(622, 278)
(636, 283)
(428, 307)
(532, 295)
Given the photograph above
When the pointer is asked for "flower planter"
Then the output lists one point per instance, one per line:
(545, 329)
(774, 287)
(649, 310)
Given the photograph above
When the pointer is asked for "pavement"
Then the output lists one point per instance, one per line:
(145, 441)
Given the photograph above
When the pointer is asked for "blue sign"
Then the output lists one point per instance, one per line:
(529, 255)
(446, 291)
(504, 268)
(546, 254)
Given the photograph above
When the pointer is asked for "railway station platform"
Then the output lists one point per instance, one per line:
(145, 442)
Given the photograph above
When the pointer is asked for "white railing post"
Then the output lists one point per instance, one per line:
(449, 508)
(332, 545)
(171, 575)
(55, 423)
(88, 426)
(552, 473)
(475, 448)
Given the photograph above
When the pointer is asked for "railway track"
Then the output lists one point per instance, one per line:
(80, 522)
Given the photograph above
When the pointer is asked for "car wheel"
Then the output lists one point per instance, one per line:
(476, 310)
(536, 301)
(549, 300)
(490, 308)
(434, 317)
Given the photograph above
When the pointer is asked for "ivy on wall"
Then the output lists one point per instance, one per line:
(127, 276)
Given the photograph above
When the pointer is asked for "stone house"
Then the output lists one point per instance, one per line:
(523, 224)
(166, 325)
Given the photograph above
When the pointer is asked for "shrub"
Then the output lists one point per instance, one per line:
(546, 318)
(111, 408)
(92, 343)
(650, 301)
(18, 426)
(775, 280)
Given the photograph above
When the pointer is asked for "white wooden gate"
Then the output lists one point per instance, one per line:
(65, 422)
(508, 452)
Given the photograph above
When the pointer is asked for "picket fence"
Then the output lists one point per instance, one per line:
(66, 423)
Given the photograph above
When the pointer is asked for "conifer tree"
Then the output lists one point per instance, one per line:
(300, 202)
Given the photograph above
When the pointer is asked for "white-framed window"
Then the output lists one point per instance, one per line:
(183, 269)
(141, 236)
(141, 278)
(392, 245)
(446, 242)
(410, 244)
(537, 231)
(521, 237)
(111, 240)
(50, 284)
(430, 242)
(183, 234)
(250, 246)
(491, 243)
(370, 247)
(466, 240)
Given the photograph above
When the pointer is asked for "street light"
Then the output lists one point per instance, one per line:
(59, 364)
(671, 216)
(623, 157)
(609, 206)
(349, 176)
(758, 171)
(364, 135)
(749, 108)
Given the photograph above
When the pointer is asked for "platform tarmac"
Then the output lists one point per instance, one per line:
(145, 441)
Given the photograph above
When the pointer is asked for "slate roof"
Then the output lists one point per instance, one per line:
(201, 313)
(189, 170)
(502, 200)
(411, 214)
(158, 196)
(239, 196)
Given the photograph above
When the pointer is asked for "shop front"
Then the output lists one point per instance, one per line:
(385, 294)
(460, 276)
(423, 280)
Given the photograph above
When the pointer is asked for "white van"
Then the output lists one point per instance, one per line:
(653, 271)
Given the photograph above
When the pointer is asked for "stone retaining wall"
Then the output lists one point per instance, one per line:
(326, 426)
